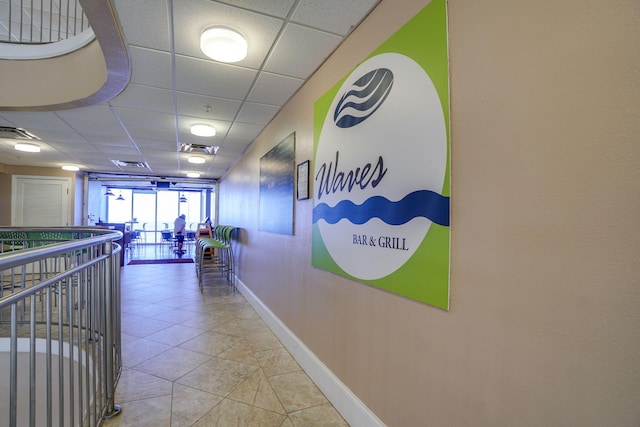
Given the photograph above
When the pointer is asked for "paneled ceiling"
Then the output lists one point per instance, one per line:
(174, 85)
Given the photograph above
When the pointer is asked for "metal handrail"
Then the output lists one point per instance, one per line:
(60, 320)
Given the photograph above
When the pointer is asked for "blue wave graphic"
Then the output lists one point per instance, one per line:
(366, 96)
(422, 203)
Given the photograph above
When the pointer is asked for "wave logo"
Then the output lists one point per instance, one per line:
(363, 99)
(378, 178)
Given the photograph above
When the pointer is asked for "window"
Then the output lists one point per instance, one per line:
(151, 211)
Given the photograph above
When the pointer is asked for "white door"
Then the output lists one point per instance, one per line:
(40, 201)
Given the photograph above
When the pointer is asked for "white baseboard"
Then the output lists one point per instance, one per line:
(355, 412)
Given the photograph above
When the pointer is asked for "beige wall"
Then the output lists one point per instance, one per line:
(544, 326)
(61, 80)
(7, 171)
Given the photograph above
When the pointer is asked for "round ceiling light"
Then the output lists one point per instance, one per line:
(71, 168)
(203, 130)
(223, 44)
(196, 159)
(24, 146)
(193, 175)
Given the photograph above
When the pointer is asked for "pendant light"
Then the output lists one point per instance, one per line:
(109, 192)
(182, 199)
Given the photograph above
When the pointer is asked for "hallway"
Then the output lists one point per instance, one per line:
(205, 359)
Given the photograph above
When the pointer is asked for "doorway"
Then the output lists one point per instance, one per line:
(40, 201)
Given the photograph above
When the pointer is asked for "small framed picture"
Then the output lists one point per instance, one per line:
(303, 180)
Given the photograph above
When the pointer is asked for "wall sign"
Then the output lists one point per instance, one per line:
(276, 187)
(381, 166)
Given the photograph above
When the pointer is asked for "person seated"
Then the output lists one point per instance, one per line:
(178, 231)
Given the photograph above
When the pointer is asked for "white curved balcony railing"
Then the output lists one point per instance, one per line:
(42, 28)
(83, 47)
(60, 346)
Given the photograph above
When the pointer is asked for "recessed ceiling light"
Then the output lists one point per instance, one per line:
(196, 159)
(24, 146)
(203, 130)
(223, 44)
(193, 174)
(71, 168)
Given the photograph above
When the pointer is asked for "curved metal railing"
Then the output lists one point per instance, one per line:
(43, 21)
(60, 346)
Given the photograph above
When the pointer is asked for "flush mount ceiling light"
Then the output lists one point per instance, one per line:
(109, 192)
(203, 130)
(196, 159)
(25, 146)
(223, 44)
(71, 168)
(193, 175)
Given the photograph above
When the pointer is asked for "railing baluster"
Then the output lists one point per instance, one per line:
(32, 361)
(13, 361)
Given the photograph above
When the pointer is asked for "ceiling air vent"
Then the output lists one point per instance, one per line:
(198, 148)
(129, 164)
(17, 133)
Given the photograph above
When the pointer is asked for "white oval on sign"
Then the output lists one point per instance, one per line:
(383, 138)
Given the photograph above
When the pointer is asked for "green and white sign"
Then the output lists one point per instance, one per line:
(381, 168)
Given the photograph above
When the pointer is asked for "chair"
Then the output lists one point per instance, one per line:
(141, 236)
(136, 237)
(223, 262)
(12, 240)
(167, 238)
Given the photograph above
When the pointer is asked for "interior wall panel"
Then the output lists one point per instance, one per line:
(543, 326)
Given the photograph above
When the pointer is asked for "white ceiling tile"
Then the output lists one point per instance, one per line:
(144, 97)
(147, 119)
(223, 161)
(100, 133)
(151, 149)
(274, 89)
(120, 153)
(65, 135)
(144, 23)
(5, 122)
(210, 78)
(260, 114)
(336, 16)
(158, 155)
(234, 146)
(148, 136)
(193, 105)
(151, 67)
(96, 113)
(300, 51)
(278, 8)
(245, 131)
(35, 121)
(193, 17)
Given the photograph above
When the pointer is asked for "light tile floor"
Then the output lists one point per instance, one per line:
(205, 359)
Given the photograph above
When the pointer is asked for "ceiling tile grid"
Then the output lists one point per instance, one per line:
(174, 85)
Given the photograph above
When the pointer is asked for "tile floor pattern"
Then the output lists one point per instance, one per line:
(205, 359)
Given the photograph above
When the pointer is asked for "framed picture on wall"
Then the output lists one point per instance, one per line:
(277, 187)
(303, 180)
